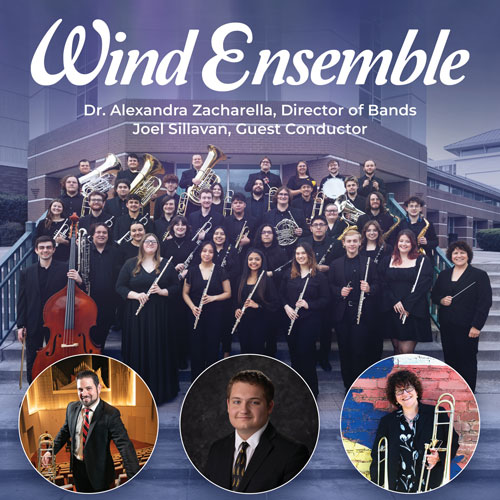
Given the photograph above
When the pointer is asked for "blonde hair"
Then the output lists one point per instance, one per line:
(141, 255)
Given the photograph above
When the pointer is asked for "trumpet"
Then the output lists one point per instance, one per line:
(182, 206)
(436, 444)
(101, 180)
(62, 231)
(155, 282)
(146, 184)
(46, 444)
(383, 448)
(205, 292)
(109, 222)
(127, 236)
(250, 295)
(270, 194)
(206, 227)
(245, 230)
(228, 208)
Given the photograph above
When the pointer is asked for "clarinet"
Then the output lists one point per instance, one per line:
(375, 260)
(155, 282)
(328, 250)
(362, 295)
(190, 258)
(224, 260)
(244, 308)
(205, 291)
(278, 269)
(301, 296)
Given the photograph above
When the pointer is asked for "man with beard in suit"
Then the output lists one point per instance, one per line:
(91, 424)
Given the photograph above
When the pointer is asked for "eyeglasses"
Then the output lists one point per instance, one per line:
(93, 200)
(283, 194)
(319, 225)
(266, 232)
(408, 390)
(150, 242)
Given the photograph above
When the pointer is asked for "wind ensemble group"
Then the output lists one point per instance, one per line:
(189, 278)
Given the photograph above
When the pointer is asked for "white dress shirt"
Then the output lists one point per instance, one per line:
(253, 442)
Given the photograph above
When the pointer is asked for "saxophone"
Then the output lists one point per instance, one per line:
(422, 234)
(397, 221)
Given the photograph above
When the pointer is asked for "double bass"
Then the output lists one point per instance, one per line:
(68, 314)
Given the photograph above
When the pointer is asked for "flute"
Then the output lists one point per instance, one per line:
(205, 291)
(403, 320)
(243, 309)
(301, 296)
(278, 269)
(362, 295)
(190, 258)
(155, 282)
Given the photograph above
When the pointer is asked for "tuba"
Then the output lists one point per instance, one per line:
(205, 175)
(146, 184)
(101, 179)
(349, 213)
(46, 444)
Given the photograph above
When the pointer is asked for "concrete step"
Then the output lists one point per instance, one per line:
(489, 267)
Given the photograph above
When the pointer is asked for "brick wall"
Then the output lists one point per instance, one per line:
(14, 180)
(366, 403)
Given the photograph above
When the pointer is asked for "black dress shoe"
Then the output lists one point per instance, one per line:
(325, 364)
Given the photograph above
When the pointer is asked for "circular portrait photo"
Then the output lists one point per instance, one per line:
(88, 423)
(249, 423)
(410, 423)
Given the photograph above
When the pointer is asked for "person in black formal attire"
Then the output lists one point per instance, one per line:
(170, 184)
(255, 322)
(161, 224)
(84, 167)
(283, 211)
(218, 199)
(259, 202)
(117, 206)
(188, 180)
(301, 175)
(148, 344)
(416, 222)
(71, 197)
(333, 173)
(206, 306)
(408, 429)
(123, 223)
(369, 182)
(37, 284)
(234, 223)
(374, 246)
(90, 426)
(305, 201)
(53, 223)
(269, 179)
(132, 168)
(347, 282)
(307, 320)
(407, 310)
(325, 250)
(105, 265)
(375, 209)
(336, 225)
(464, 296)
(352, 193)
(256, 457)
(129, 249)
(97, 213)
(205, 214)
(278, 264)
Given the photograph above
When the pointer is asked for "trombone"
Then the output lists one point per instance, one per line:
(382, 449)
(227, 208)
(270, 195)
(436, 445)
(182, 206)
(46, 444)
(318, 204)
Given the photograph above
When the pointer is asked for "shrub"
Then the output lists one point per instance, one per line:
(13, 208)
(10, 232)
(489, 239)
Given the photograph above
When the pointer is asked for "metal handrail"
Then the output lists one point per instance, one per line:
(20, 256)
(440, 261)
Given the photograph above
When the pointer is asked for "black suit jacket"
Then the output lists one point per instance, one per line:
(106, 425)
(276, 460)
(273, 181)
(389, 427)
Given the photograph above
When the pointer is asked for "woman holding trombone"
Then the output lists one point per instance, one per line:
(408, 430)
(147, 341)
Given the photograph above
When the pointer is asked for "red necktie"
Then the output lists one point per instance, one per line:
(85, 426)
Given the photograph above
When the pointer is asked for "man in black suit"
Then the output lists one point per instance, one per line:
(255, 458)
(369, 182)
(270, 180)
(91, 424)
(37, 284)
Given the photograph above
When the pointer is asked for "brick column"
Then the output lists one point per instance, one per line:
(464, 229)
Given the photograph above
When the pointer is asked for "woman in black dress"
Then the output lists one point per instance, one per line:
(256, 320)
(307, 320)
(407, 430)
(407, 277)
(54, 222)
(147, 341)
(167, 214)
(207, 307)
(217, 198)
(301, 174)
(464, 295)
